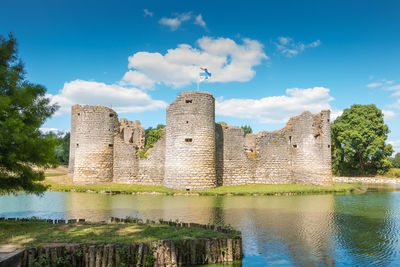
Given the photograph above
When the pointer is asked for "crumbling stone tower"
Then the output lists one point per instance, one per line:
(92, 143)
(310, 141)
(190, 142)
(128, 140)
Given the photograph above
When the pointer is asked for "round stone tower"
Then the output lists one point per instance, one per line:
(92, 134)
(190, 142)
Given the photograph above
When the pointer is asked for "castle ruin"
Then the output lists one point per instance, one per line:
(194, 152)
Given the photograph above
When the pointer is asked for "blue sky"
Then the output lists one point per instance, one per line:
(270, 59)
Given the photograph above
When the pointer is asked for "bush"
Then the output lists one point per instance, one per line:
(151, 137)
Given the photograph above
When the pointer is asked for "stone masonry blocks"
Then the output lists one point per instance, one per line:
(190, 141)
(92, 140)
(196, 153)
(311, 148)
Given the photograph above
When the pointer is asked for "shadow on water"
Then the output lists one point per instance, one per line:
(313, 230)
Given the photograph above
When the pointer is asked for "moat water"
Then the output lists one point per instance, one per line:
(313, 230)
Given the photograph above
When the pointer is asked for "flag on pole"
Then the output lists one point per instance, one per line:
(204, 74)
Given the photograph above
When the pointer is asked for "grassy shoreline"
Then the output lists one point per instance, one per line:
(58, 180)
(393, 173)
(35, 233)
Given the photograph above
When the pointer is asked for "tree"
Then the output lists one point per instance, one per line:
(151, 137)
(62, 149)
(396, 161)
(23, 109)
(150, 132)
(358, 142)
(247, 129)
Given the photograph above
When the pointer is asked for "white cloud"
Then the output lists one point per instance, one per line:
(148, 13)
(388, 114)
(121, 99)
(394, 87)
(172, 23)
(388, 85)
(314, 44)
(53, 130)
(276, 109)
(383, 83)
(335, 114)
(396, 93)
(396, 146)
(199, 21)
(227, 61)
(175, 22)
(138, 79)
(287, 47)
(284, 40)
(373, 85)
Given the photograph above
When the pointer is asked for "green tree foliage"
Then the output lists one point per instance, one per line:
(151, 137)
(396, 161)
(247, 129)
(222, 123)
(358, 142)
(62, 149)
(148, 130)
(23, 109)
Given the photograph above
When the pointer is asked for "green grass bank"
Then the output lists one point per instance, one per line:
(58, 180)
(35, 233)
(393, 173)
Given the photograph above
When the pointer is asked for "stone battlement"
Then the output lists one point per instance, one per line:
(194, 152)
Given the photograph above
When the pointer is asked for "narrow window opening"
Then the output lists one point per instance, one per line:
(329, 146)
(111, 115)
(188, 101)
(188, 139)
(77, 145)
(187, 121)
(110, 145)
(328, 120)
(294, 146)
(290, 139)
(79, 114)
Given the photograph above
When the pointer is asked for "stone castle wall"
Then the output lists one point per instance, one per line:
(311, 148)
(152, 168)
(128, 140)
(128, 167)
(299, 153)
(233, 165)
(126, 163)
(93, 142)
(190, 142)
(194, 152)
(273, 159)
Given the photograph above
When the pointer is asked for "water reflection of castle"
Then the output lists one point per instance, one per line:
(298, 228)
